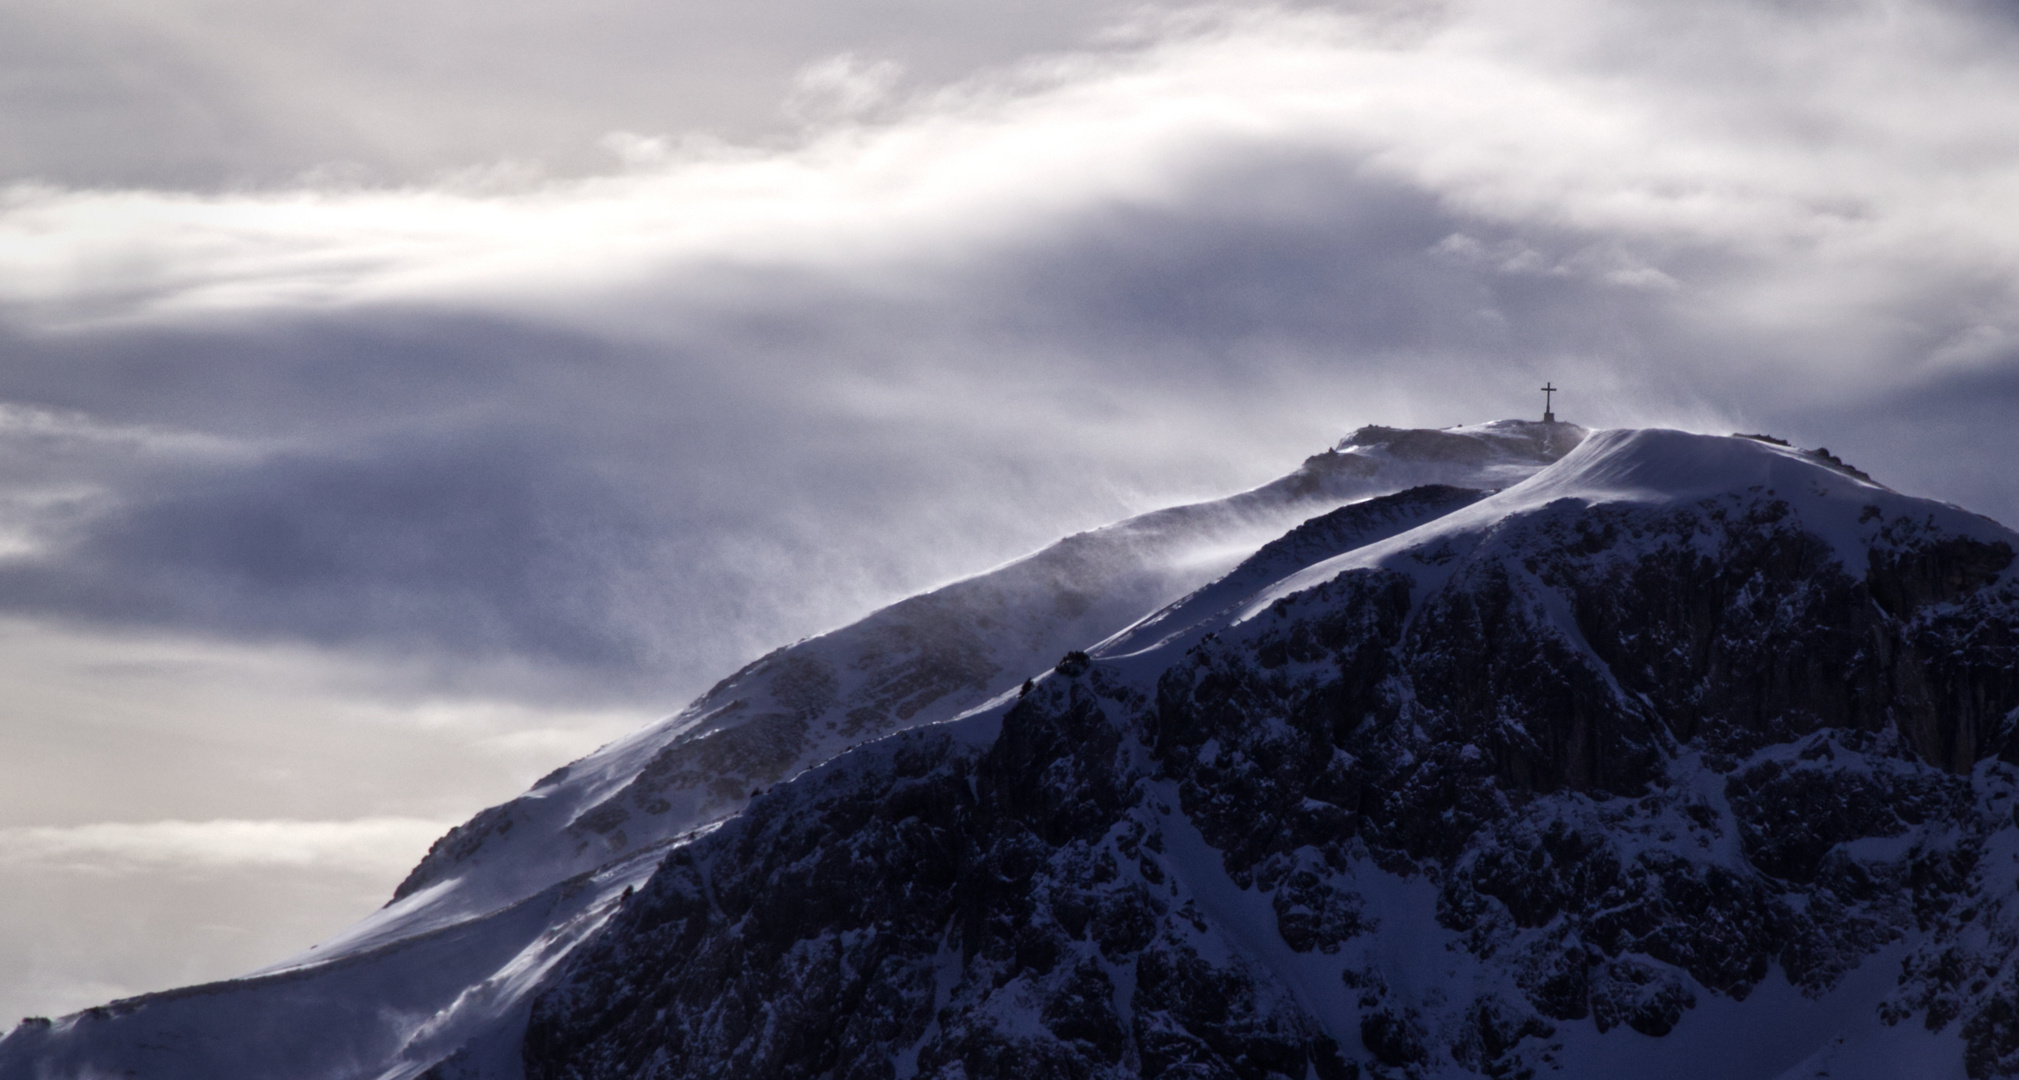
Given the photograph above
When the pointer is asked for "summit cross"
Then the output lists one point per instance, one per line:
(1548, 390)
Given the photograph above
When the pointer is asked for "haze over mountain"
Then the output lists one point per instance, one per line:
(1502, 750)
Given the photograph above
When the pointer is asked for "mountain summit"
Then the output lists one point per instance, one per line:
(1508, 750)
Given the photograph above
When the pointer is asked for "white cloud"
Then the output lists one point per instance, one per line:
(378, 845)
(841, 87)
(1727, 209)
(1762, 206)
(1809, 146)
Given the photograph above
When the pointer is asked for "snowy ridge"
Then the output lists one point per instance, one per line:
(1347, 529)
(569, 847)
(1684, 755)
(1660, 467)
(1589, 779)
(936, 655)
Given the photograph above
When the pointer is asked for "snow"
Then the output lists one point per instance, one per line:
(454, 962)
(1119, 573)
(454, 958)
(1769, 1035)
(1657, 467)
(1246, 919)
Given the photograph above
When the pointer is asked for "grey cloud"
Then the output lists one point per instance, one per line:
(785, 448)
(652, 513)
(483, 542)
(209, 95)
(1950, 437)
(481, 488)
(276, 379)
(654, 481)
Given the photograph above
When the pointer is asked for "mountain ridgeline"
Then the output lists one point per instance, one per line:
(1505, 751)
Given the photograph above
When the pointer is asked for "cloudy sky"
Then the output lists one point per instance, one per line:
(401, 397)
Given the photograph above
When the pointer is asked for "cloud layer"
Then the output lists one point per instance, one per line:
(539, 394)
(370, 845)
(597, 422)
(217, 898)
(225, 93)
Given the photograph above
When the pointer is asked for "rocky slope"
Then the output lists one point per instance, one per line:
(1682, 756)
(936, 655)
(505, 898)
(1690, 756)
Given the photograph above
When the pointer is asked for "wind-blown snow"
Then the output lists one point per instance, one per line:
(448, 968)
(503, 898)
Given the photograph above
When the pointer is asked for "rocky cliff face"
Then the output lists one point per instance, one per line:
(1691, 756)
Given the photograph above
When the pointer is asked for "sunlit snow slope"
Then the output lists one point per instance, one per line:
(504, 898)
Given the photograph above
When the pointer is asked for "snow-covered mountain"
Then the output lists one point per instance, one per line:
(1452, 754)
(502, 900)
(1687, 757)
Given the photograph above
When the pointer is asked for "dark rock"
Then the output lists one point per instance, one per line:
(1646, 998)
(1645, 754)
